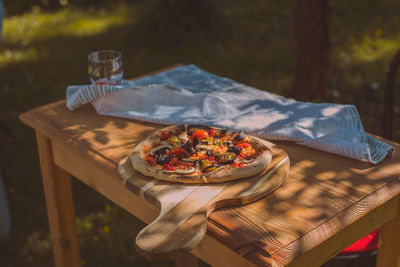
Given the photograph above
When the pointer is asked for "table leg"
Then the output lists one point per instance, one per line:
(60, 209)
(186, 259)
(389, 250)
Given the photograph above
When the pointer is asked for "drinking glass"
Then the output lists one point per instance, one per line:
(105, 67)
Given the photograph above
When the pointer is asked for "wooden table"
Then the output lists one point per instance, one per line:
(325, 204)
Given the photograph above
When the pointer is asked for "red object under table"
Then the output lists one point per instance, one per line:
(366, 244)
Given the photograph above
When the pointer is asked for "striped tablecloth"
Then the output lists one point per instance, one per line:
(190, 95)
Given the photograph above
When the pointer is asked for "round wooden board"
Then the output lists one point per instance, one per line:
(184, 208)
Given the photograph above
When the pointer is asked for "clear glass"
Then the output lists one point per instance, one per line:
(105, 67)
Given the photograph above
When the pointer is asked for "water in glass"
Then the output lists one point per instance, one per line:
(105, 67)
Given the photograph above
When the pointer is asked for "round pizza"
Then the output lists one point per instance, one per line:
(200, 154)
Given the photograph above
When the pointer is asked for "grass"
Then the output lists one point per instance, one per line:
(251, 42)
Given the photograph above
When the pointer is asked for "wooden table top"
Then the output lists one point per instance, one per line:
(322, 195)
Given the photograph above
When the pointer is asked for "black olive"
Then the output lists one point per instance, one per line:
(218, 157)
(195, 141)
(235, 149)
(240, 136)
(223, 131)
(163, 159)
(226, 162)
(188, 147)
(209, 153)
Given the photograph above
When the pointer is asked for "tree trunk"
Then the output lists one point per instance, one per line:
(312, 49)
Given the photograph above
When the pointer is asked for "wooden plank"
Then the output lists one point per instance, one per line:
(290, 212)
(389, 250)
(105, 139)
(217, 254)
(60, 209)
(340, 231)
(350, 178)
(186, 259)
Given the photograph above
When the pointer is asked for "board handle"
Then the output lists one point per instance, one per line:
(173, 231)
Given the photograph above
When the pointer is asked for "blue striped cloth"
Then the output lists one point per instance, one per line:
(190, 95)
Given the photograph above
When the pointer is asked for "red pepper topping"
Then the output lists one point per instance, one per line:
(211, 132)
(243, 145)
(169, 167)
(238, 165)
(200, 134)
(182, 167)
(177, 152)
(165, 134)
(173, 161)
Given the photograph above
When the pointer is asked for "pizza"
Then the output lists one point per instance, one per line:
(200, 154)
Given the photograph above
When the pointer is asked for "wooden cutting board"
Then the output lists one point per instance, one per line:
(184, 209)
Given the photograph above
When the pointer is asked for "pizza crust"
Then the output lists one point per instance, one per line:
(222, 174)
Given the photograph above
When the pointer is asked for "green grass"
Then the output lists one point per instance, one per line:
(251, 42)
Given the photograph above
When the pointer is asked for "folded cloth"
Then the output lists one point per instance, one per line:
(190, 95)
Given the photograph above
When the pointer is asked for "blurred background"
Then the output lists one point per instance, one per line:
(263, 43)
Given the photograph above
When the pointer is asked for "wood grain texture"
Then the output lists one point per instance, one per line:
(186, 259)
(182, 222)
(316, 255)
(323, 195)
(60, 209)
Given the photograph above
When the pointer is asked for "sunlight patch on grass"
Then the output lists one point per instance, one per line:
(17, 56)
(369, 48)
(38, 25)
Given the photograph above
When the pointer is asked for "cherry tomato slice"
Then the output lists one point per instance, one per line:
(238, 165)
(169, 167)
(243, 145)
(211, 132)
(200, 134)
(177, 152)
(174, 161)
(165, 135)
(204, 156)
